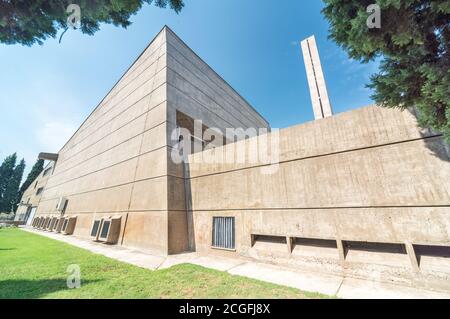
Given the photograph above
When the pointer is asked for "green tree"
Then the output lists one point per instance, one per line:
(12, 190)
(6, 175)
(413, 41)
(32, 21)
(37, 168)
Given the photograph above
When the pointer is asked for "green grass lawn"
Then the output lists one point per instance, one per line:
(33, 266)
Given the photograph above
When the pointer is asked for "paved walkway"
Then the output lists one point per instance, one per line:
(308, 281)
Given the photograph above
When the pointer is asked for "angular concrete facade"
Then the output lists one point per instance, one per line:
(364, 193)
(117, 163)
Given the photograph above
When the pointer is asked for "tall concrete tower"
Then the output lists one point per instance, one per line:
(317, 87)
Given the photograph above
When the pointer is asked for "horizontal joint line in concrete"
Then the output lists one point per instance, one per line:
(105, 168)
(103, 99)
(315, 208)
(201, 104)
(252, 115)
(110, 187)
(127, 76)
(315, 156)
(213, 101)
(107, 98)
(218, 75)
(143, 114)
(98, 128)
(112, 212)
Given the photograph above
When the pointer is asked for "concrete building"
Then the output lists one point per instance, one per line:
(32, 196)
(365, 193)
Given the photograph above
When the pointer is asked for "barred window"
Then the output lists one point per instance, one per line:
(223, 232)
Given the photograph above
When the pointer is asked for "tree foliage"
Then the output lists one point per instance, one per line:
(37, 168)
(10, 178)
(32, 21)
(414, 41)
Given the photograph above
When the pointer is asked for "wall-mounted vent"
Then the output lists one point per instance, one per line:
(223, 232)
(48, 220)
(64, 225)
(69, 225)
(105, 229)
(433, 258)
(41, 222)
(59, 224)
(53, 221)
(110, 230)
(389, 254)
(314, 247)
(268, 245)
(95, 230)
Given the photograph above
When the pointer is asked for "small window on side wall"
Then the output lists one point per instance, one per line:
(47, 171)
(39, 191)
(223, 233)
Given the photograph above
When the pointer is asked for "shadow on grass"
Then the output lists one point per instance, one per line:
(31, 289)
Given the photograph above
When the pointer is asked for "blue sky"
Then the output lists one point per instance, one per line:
(47, 91)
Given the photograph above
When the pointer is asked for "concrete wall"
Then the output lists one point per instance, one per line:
(30, 196)
(117, 163)
(194, 89)
(367, 175)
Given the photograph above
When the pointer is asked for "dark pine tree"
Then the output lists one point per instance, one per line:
(37, 168)
(414, 42)
(6, 174)
(14, 185)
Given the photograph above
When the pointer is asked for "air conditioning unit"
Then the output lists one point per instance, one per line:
(41, 223)
(110, 230)
(69, 225)
(48, 220)
(59, 224)
(62, 202)
(96, 226)
(53, 220)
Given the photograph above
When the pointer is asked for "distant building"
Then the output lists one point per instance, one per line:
(359, 193)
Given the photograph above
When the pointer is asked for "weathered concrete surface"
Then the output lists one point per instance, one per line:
(368, 175)
(33, 194)
(117, 163)
(291, 277)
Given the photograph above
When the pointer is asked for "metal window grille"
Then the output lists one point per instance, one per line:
(105, 229)
(223, 232)
(95, 228)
